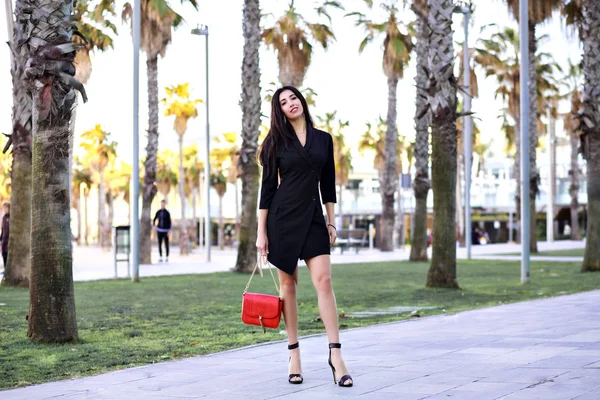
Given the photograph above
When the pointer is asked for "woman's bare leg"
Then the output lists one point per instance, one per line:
(288, 285)
(320, 273)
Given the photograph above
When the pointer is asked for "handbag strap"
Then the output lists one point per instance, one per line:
(257, 266)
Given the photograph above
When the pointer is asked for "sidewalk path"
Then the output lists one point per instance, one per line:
(91, 263)
(543, 349)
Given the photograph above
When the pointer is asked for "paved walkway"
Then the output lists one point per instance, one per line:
(543, 349)
(91, 263)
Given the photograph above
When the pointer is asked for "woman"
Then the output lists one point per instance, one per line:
(297, 160)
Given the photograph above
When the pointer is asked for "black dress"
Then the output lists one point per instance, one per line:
(296, 227)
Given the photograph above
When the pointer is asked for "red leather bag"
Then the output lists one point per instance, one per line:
(261, 309)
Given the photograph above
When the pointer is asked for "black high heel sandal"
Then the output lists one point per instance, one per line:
(344, 378)
(292, 376)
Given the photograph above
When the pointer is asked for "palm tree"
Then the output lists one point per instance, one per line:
(499, 57)
(590, 120)
(442, 106)
(166, 175)
(100, 152)
(291, 38)
(94, 25)
(224, 157)
(81, 176)
(397, 45)
(570, 124)
(192, 169)
(539, 11)
(157, 22)
(20, 239)
(421, 183)
(52, 303)
(118, 180)
(250, 104)
(341, 155)
(180, 105)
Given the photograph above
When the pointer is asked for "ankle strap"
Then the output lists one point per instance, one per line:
(293, 346)
(335, 346)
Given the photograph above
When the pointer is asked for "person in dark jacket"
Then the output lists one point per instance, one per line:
(4, 234)
(163, 229)
(298, 168)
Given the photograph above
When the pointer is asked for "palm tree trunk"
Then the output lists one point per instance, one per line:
(390, 172)
(340, 210)
(442, 271)
(590, 128)
(421, 184)
(111, 215)
(17, 269)
(246, 257)
(533, 117)
(194, 217)
(517, 175)
(221, 224)
(103, 235)
(52, 301)
(460, 216)
(86, 224)
(184, 248)
(574, 188)
(79, 221)
(149, 188)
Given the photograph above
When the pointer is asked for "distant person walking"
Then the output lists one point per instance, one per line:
(163, 229)
(4, 234)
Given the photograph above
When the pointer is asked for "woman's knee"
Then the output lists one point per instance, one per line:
(323, 283)
(288, 286)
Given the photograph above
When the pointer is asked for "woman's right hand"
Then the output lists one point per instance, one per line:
(262, 244)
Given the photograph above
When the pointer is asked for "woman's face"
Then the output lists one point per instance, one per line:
(290, 105)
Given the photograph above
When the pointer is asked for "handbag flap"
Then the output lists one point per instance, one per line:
(265, 305)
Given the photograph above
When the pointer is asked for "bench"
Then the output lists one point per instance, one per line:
(347, 238)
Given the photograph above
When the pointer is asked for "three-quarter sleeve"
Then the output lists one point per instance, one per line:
(269, 182)
(328, 175)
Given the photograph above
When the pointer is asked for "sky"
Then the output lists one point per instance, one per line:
(350, 83)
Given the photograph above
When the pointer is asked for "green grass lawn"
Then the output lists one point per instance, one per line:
(556, 253)
(122, 324)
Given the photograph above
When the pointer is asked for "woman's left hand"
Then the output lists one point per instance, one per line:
(332, 235)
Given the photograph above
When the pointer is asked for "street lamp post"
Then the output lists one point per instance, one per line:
(467, 131)
(551, 180)
(202, 30)
(135, 178)
(525, 175)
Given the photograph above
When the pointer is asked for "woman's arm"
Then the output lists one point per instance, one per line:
(268, 189)
(330, 207)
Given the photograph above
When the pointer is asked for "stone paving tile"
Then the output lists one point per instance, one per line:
(525, 375)
(591, 336)
(564, 362)
(593, 395)
(457, 394)
(415, 387)
(485, 387)
(548, 391)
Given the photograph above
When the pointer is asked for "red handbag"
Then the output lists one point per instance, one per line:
(261, 309)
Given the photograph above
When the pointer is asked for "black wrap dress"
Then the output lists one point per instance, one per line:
(296, 227)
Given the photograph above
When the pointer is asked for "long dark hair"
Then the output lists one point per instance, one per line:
(281, 129)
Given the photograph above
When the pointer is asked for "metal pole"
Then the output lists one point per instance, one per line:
(207, 164)
(468, 135)
(9, 22)
(524, 79)
(200, 229)
(551, 180)
(135, 217)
